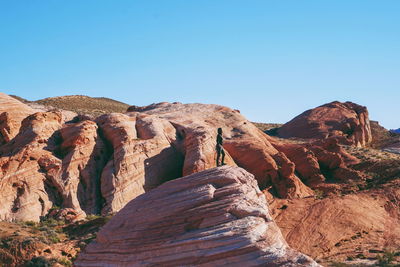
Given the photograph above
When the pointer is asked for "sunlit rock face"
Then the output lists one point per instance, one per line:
(211, 218)
(347, 121)
(97, 165)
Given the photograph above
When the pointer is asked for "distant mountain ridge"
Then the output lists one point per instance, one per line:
(396, 131)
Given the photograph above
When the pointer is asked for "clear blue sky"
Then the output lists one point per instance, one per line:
(270, 59)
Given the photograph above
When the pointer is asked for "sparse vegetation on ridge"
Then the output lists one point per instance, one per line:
(81, 104)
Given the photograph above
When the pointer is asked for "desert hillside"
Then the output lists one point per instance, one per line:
(80, 104)
(317, 190)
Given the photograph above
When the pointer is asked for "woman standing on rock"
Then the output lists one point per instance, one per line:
(220, 149)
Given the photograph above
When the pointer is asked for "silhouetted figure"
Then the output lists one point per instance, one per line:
(220, 149)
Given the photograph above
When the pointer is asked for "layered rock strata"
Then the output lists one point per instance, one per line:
(211, 218)
(98, 165)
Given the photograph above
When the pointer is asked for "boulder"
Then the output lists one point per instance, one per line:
(212, 218)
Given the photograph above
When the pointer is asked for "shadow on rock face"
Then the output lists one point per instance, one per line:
(163, 167)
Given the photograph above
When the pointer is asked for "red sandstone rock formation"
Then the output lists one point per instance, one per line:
(247, 146)
(12, 112)
(142, 157)
(99, 166)
(212, 218)
(347, 121)
(22, 178)
(83, 158)
(11, 115)
(49, 164)
(338, 227)
(312, 159)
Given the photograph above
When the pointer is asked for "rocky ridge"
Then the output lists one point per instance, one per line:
(97, 166)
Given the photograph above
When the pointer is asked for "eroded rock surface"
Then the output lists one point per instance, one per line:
(142, 157)
(338, 227)
(84, 156)
(211, 218)
(22, 177)
(246, 145)
(12, 112)
(98, 165)
(84, 165)
(317, 161)
(347, 121)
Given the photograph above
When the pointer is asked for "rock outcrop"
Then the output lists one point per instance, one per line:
(142, 157)
(98, 165)
(316, 161)
(12, 112)
(51, 164)
(341, 227)
(211, 218)
(22, 173)
(83, 157)
(347, 121)
(246, 145)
